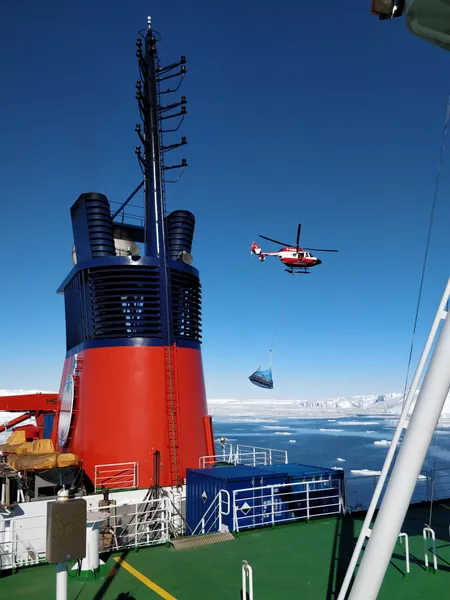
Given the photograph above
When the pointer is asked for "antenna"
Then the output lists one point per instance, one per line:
(151, 151)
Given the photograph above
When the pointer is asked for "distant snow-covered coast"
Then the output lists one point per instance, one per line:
(372, 406)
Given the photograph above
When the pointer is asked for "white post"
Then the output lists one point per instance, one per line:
(272, 500)
(405, 535)
(440, 314)
(92, 547)
(307, 501)
(247, 572)
(61, 567)
(61, 581)
(220, 509)
(405, 473)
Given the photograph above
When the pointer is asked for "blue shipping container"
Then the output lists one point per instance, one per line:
(253, 507)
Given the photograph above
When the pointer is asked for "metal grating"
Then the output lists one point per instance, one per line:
(186, 305)
(125, 302)
(202, 540)
(113, 302)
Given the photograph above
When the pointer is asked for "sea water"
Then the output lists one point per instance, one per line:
(358, 444)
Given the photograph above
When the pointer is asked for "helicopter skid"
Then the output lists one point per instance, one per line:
(292, 272)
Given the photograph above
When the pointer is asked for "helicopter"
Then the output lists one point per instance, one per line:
(297, 260)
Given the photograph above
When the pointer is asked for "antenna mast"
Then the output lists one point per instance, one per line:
(153, 114)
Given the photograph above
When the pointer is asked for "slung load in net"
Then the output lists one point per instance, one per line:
(262, 378)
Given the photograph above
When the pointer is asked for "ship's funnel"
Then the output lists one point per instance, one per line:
(133, 300)
(180, 233)
(92, 227)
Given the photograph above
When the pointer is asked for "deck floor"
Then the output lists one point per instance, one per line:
(299, 560)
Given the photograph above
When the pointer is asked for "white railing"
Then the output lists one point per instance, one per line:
(131, 525)
(428, 532)
(431, 485)
(238, 454)
(212, 518)
(116, 476)
(273, 456)
(22, 541)
(287, 502)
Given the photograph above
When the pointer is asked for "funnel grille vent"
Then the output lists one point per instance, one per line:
(186, 305)
(113, 302)
(125, 302)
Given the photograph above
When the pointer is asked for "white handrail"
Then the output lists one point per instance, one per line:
(405, 535)
(400, 535)
(117, 475)
(247, 573)
(427, 530)
(224, 513)
(217, 501)
(273, 452)
(278, 503)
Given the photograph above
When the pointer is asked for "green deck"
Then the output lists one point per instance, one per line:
(299, 560)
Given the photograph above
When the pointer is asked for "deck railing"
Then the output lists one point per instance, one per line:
(272, 505)
(116, 476)
(212, 519)
(239, 454)
(134, 525)
(286, 503)
(433, 484)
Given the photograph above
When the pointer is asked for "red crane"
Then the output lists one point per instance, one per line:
(41, 406)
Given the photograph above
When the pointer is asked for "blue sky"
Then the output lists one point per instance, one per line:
(303, 114)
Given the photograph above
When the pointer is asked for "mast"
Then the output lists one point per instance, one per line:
(153, 204)
(153, 115)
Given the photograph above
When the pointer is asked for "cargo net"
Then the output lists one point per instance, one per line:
(262, 378)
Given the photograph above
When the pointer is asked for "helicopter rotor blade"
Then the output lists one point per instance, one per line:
(298, 237)
(275, 241)
(320, 250)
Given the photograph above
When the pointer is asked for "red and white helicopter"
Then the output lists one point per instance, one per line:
(296, 259)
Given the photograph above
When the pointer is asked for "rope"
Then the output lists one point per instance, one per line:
(287, 298)
(427, 246)
(275, 334)
(276, 329)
